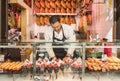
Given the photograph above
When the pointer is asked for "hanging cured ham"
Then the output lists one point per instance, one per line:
(42, 10)
(89, 19)
(68, 4)
(42, 3)
(68, 10)
(37, 3)
(84, 22)
(72, 20)
(41, 20)
(67, 20)
(83, 27)
(73, 4)
(58, 10)
(72, 10)
(87, 1)
(52, 4)
(46, 20)
(52, 10)
(37, 21)
(47, 10)
(62, 20)
(47, 4)
(63, 4)
(36, 9)
(58, 4)
(63, 10)
(11, 19)
(19, 22)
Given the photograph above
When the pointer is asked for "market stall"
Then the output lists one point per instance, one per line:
(91, 21)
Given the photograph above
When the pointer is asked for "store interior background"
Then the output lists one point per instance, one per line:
(103, 21)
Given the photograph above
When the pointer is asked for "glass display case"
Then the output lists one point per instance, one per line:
(12, 59)
(57, 69)
(102, 61)
(96, 61)
(38, 66)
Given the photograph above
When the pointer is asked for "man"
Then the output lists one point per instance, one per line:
(59, 33)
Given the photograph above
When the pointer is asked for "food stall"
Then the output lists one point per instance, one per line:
(90, 19)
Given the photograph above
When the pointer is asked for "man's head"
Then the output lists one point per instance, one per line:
(55, 22)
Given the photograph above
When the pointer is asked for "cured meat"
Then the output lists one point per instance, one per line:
(87, 1)
(42, 20)
(47, 4)
(11, 19)
(52, 10)
(42, 3)
(68, 4)
(19, 22)
(37, 3)
(63, 10)
(72, 20)
(68, 10)
(89, 19)
(58, 10)
(42, 10)
(73, 4)
(52, 4)
(83, 25)
(72, 10)
(36, 9)
(63, 4)
(47, 10)
(62, 20)
(67, 20)
(37, 20)
(58, 4)
(46, 20)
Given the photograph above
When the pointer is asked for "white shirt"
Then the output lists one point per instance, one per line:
(68, 32)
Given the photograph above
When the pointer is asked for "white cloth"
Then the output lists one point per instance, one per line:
(68, 32)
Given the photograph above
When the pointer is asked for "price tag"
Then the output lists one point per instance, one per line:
(2, 58)
(41, 54)
(1, 70)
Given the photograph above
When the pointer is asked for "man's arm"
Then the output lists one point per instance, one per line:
(71, 38)
(48, 38)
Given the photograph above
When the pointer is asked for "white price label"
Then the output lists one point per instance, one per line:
(2, 58)
(1, 70)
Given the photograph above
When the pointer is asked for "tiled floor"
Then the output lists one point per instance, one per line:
(91, 76)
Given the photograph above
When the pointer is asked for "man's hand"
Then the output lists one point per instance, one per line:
(68, 55)
(52, 58)
(65, 59)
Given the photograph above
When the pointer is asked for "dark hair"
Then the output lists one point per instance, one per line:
(53, 19)
(105, 39)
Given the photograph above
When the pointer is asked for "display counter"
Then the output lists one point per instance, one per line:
(40, 67)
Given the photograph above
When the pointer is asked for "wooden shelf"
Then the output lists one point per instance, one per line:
(21, 3)
(55, 14)
(26, 13)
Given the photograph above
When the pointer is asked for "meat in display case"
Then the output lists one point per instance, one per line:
(37, 67)
(55, 69)
(14, 57)
(91, 58)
